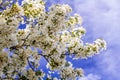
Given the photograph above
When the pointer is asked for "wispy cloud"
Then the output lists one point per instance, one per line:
(90, 77)
(108, 64)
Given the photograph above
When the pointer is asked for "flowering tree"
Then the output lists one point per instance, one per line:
(55, 32)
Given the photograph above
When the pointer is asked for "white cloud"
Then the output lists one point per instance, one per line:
(109, 64)
(90, 77)
(105, 23)
(103, 16)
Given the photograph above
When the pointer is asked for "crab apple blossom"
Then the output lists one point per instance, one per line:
(55, 32)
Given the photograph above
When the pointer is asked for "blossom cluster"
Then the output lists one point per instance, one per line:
(56, 33)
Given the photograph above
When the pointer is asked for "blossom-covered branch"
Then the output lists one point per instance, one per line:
(56, 33)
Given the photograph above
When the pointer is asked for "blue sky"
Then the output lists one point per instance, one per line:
(101, 20)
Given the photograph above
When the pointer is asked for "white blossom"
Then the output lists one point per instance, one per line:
(56, 33)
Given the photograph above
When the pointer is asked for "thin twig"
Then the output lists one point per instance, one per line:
(30, 64)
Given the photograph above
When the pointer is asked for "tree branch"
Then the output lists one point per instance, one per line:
(30, 64)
